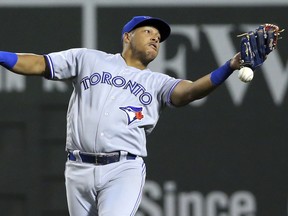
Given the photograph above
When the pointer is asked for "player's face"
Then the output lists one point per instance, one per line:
(145, 43)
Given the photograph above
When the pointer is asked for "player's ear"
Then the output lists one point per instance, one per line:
(125, 37)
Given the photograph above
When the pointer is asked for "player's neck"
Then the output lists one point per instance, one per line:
(133, 62)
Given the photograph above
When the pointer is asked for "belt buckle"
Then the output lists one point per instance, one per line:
(96, 161)
(99, 160)
(106, 159)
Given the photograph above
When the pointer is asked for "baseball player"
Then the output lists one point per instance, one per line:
(116, 102)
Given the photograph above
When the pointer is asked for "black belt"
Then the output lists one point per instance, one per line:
(101, 159)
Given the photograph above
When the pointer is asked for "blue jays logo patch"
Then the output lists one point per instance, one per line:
(133, 113)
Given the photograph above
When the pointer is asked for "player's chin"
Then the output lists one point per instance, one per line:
(152, 54)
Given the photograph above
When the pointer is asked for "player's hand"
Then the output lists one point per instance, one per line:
(235, 62)
(256, 45)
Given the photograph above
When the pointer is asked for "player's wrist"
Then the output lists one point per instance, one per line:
(219, 75)
(8, 59)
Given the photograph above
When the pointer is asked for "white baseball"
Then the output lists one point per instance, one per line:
(245, 74)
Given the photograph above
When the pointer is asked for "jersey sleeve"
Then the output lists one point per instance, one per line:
(167, 88)
(168, 99)
(64, 64)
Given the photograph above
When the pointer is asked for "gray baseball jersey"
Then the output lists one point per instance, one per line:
(113, 106)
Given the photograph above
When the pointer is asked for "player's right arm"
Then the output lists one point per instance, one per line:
(24, 63)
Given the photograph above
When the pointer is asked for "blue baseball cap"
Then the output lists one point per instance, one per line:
(139, 21)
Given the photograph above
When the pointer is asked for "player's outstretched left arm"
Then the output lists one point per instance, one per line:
(187, 91)
(25, 64)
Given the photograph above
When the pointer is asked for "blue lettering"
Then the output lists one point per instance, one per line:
(84, 82)
(118, 81)
(95, 78)
(131, 86)
(135, 88)
(106, 77)
(139, 89)
(145, 98)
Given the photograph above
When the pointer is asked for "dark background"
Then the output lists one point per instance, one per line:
(218, 146)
